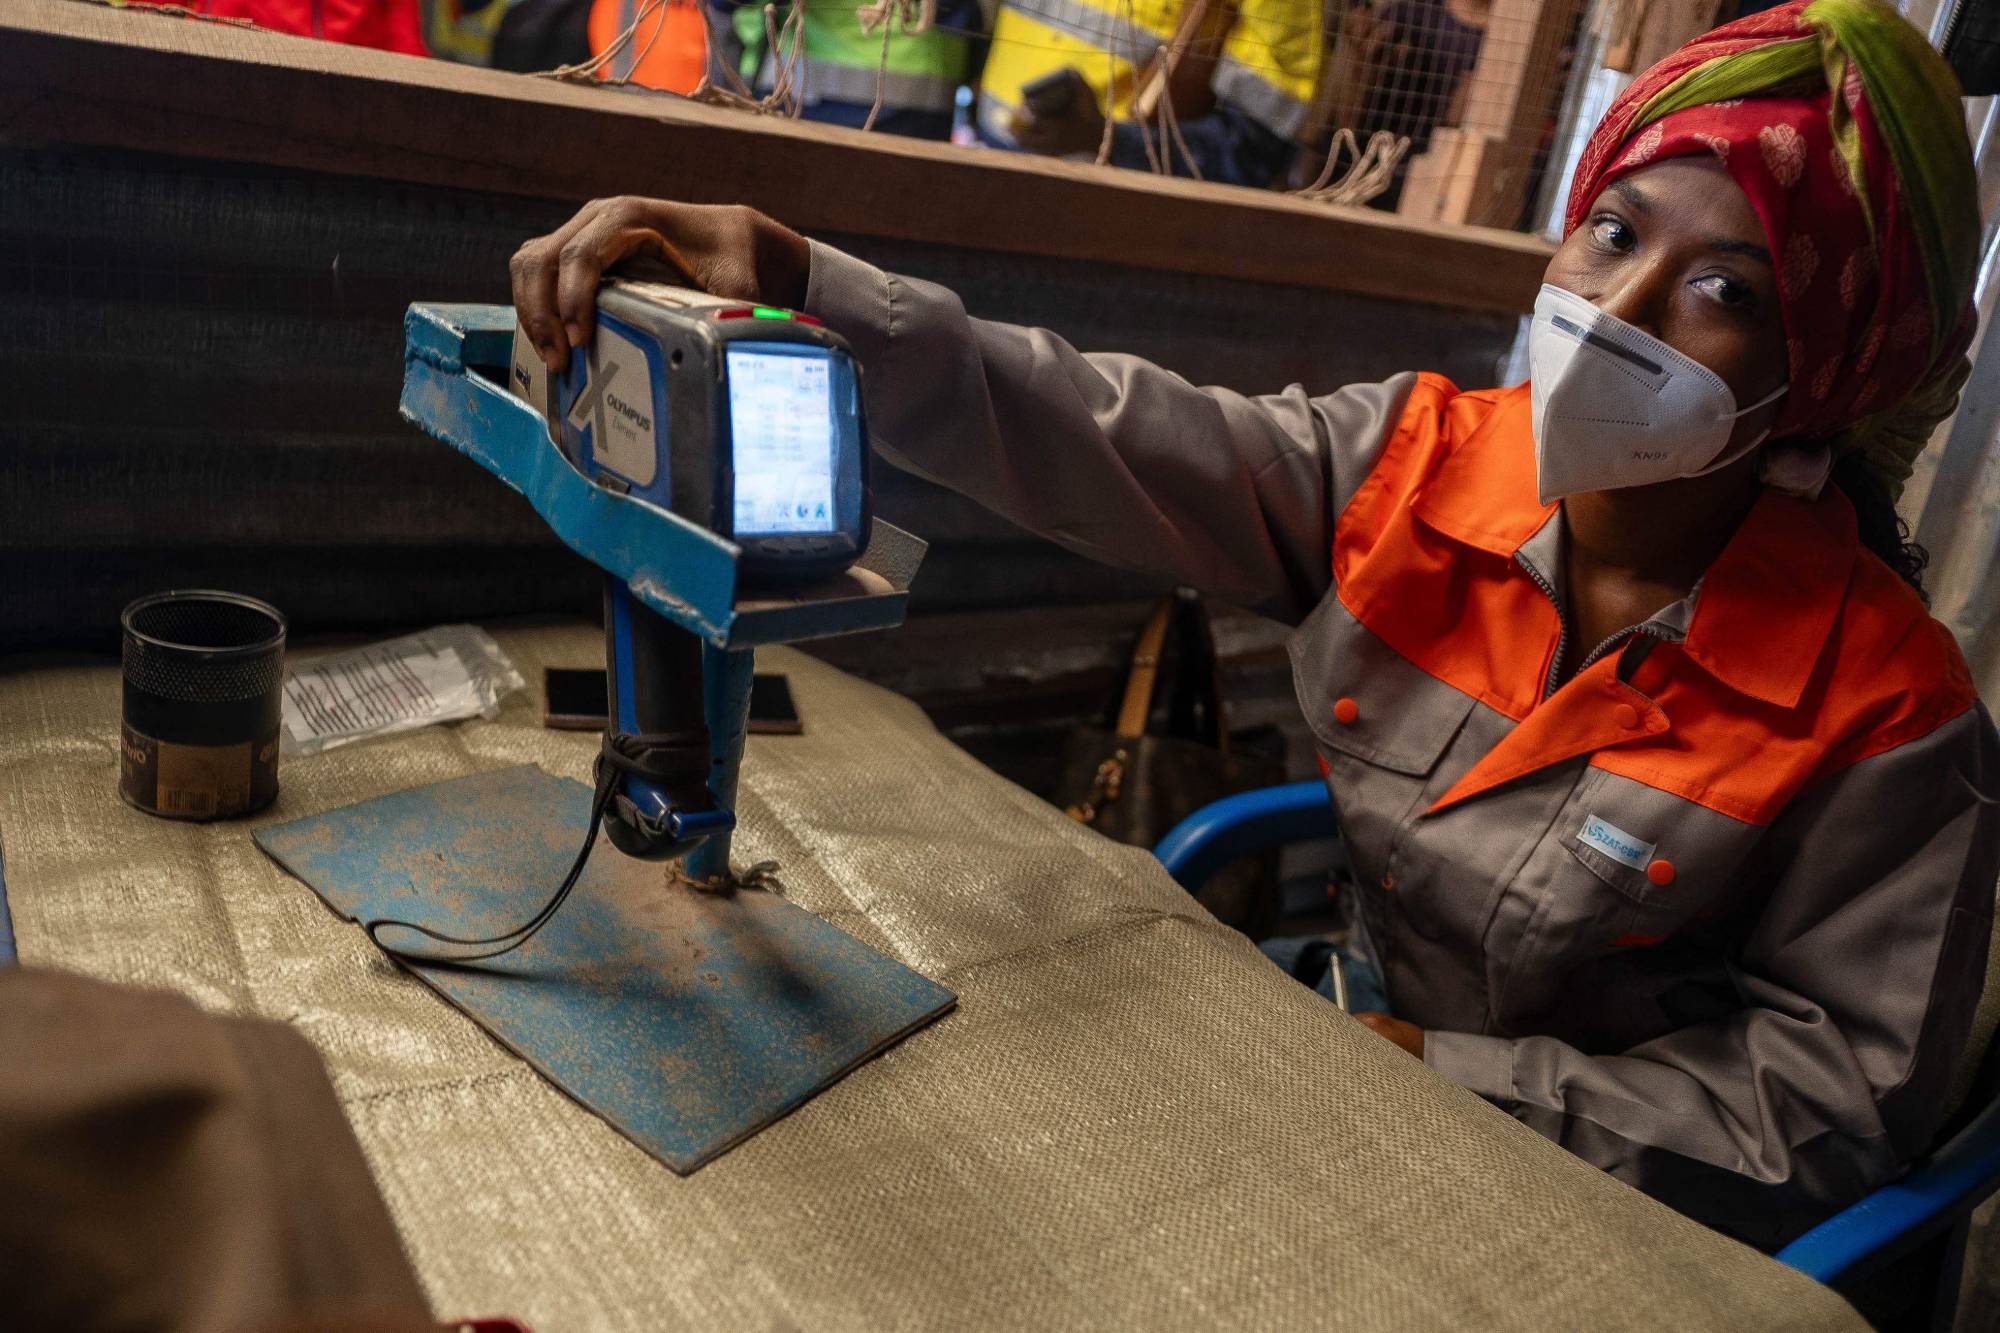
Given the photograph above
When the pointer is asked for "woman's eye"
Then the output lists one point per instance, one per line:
(1727, 291)
(1611, 234)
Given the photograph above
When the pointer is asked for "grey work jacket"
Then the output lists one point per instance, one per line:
(1713, 914)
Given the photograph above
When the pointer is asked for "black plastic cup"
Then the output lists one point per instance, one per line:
(204, 698)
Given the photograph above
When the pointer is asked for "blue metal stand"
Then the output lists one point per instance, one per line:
(682, 572)
(727, 675)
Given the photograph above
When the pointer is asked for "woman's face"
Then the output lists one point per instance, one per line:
(1675, 249)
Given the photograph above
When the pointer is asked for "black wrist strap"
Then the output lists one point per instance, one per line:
(670, 759)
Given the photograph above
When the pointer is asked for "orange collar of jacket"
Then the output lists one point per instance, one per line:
(1768, 603)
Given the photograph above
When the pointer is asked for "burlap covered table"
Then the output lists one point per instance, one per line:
(1131, 1120)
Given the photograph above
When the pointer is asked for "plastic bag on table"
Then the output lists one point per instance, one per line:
(440, 675)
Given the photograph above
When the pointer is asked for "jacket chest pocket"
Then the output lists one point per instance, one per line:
(1622, 861)
(1623, 866)
(1384, 727)
(1668, 855)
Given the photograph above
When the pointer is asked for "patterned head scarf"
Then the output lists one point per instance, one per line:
(1845, 130)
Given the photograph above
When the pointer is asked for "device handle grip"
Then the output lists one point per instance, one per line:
(655, 689)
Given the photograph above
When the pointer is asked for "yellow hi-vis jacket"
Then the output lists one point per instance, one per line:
(1269, 61)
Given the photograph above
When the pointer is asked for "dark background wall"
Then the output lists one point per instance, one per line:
(201, 371)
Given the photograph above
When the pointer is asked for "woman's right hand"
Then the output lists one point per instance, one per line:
(724, 249)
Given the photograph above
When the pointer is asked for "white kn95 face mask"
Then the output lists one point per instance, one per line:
(1615, 407)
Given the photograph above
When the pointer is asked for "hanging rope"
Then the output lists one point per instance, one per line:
(173, 11)
(881, 76)
(914, 17)
(741, 90)
(1171, 119)
(1154, 152)
(789, 84)
(1110, 82)
(784, 99)
(588, 71)
(1373, 171)
(787, 66)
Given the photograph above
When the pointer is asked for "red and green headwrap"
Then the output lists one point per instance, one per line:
(1846, 131)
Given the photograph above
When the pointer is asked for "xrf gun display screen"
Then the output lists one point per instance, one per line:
(785, 442)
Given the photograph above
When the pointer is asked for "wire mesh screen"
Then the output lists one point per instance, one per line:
(1476, 86)
(1443, 110)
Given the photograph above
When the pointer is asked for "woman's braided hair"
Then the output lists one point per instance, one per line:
(1874, 457)
(1881, 528)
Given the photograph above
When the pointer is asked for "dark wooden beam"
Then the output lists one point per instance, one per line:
(87, 74)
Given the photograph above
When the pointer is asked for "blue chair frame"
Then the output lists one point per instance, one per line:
(1938, 1194)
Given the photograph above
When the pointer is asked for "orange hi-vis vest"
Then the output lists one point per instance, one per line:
(669, 51)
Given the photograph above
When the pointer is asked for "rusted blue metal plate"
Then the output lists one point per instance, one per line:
(689, 1021)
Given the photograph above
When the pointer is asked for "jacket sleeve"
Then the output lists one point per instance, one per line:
(1108, 455)
(1858, 982)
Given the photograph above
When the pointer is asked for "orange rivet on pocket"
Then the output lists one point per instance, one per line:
(1661, 872)
(1626, 716)
(1345, 711)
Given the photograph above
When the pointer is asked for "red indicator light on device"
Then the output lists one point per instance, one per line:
(735, 312)
(808, 319)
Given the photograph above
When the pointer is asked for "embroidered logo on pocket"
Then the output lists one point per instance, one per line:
(1603, 836)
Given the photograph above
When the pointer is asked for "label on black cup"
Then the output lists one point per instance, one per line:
(197, 781)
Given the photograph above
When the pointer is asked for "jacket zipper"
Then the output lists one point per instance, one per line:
(1601, 649)
(1562, 624)
(1562, 631)
(1952, 23)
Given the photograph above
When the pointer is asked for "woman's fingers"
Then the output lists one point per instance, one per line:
(1406, 1035)
(534, 271)
(608, 232)
(724, 250)
(616, 229)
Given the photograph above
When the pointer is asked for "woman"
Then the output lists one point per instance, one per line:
(1677, 817)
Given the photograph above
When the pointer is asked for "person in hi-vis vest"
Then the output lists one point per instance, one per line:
(1238, 74)
(841, 68)
(669, 51)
